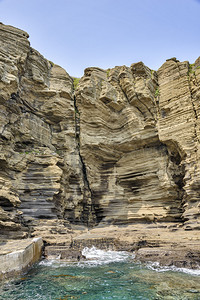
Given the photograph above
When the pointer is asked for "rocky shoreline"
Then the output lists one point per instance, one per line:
(111, 162)
(150, 246)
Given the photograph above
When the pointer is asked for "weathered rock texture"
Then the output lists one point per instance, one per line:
(131, 174)
(121, 149)
(41, 175)
(140, 142)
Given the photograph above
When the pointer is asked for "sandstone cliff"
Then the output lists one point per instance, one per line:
(122, 148)
(41, 175)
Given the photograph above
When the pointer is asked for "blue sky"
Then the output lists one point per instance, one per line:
(80, 33)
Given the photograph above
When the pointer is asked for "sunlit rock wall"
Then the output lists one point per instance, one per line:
(123, 148)
(131, 174)
(40, 168)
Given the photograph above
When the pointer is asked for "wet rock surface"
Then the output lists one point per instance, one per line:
(64, 253)
(176, 256)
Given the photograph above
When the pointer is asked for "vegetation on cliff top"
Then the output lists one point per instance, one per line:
(76, 82)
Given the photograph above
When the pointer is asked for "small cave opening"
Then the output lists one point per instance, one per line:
(175, 157)
(176, 168)
(6, 204)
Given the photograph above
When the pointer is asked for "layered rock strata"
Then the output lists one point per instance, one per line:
(120, 149)
(140, 143)
(41, 175)
(131, 174)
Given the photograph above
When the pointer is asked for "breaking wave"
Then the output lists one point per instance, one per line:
(100, 257)
(97, 257)
(155, 266)
(93, 257)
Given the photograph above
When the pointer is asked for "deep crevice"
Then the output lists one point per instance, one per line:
(88, 208)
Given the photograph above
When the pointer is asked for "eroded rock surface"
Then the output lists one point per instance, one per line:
(41, 174)
(131, 174)
(122, 149)
(140, 142)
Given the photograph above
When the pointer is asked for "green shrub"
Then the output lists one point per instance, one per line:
(191, 68)
(76, 82)
(107, 72)
(157, 92)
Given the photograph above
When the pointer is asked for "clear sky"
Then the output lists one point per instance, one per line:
(80, 33)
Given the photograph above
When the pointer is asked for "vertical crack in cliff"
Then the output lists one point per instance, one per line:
(77, 133)
(88, 208)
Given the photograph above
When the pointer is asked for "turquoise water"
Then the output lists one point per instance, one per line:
(104, 275)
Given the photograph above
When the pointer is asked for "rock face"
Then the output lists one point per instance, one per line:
(140, 142)
(178, 127)
(121, 149)
(41, 175)
(131, 174)
(170, 257)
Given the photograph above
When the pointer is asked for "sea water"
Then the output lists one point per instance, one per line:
(103, 275)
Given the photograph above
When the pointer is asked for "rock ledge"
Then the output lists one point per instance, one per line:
(26, 253)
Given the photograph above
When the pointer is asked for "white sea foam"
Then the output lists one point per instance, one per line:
(96, 256)
(155, 266)
(49, 263)
(93, 256)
